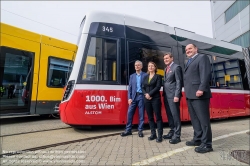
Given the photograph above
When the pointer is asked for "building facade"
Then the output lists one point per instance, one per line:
(230, 21)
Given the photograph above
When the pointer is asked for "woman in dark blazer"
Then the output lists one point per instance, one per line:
(151, 86)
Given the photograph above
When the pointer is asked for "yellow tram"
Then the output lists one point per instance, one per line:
(34, 68)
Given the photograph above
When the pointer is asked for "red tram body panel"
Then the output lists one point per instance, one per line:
(112, 110)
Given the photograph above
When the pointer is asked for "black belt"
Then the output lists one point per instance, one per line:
(138, 93)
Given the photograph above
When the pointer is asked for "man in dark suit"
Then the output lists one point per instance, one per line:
(197, 89)
(172, 93)
(135, 99)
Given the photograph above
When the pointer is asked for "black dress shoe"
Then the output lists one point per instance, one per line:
(152, 137)
(126, 133)
(159, 139)
(175, 140)
(168, 136)
(203, 149)
(193, 143)
(140, 134)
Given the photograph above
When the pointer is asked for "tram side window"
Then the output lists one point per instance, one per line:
(147, 53)
(101, 60)
(227, 73)
(58, 72)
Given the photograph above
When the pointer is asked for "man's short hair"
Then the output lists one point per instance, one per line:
(168, 53)
(139, 62)
(194, 45)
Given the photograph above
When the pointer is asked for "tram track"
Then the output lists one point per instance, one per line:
(55, 144)
(29, 137)
(14, 134)
(26, 125)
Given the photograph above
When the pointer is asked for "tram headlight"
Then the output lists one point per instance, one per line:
(68, 89)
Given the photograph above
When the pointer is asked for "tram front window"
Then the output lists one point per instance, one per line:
(101, 60)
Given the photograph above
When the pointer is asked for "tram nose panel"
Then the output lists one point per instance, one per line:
(62, 113)
(63, 105)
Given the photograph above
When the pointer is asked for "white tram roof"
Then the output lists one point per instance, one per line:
(127, 20)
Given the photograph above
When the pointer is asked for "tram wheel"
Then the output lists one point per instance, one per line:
(56, 116)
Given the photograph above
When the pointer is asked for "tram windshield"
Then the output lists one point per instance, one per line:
(101, 60)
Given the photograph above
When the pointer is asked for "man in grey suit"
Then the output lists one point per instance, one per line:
(172, 96)
(197, 89)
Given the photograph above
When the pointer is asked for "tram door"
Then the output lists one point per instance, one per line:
(16, 73)
(55, 66)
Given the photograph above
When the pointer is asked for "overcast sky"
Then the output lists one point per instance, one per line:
(61, 19)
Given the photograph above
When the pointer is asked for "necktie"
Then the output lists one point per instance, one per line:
(168, 68)
(189, 60)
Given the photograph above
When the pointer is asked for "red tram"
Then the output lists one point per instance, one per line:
(108, 46)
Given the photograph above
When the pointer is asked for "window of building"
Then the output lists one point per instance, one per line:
(101, 61)
(235, 8)
(58, 72)
(242, 40)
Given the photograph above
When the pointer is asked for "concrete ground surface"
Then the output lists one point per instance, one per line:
(228, 135)
(28, 132)
(20, 125)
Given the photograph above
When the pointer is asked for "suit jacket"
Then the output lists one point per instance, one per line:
(173, 82)
(153, 87)
(132, 87)
(197, 77)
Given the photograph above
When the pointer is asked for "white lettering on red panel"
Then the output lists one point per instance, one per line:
(103, 103)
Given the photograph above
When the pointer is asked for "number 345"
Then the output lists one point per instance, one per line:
(107, 29)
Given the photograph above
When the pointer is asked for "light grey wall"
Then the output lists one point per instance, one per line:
(233, 28)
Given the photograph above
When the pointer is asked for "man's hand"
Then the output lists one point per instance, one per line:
(199, 93)
(129, 101)
(147, 96)
(176, 99)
